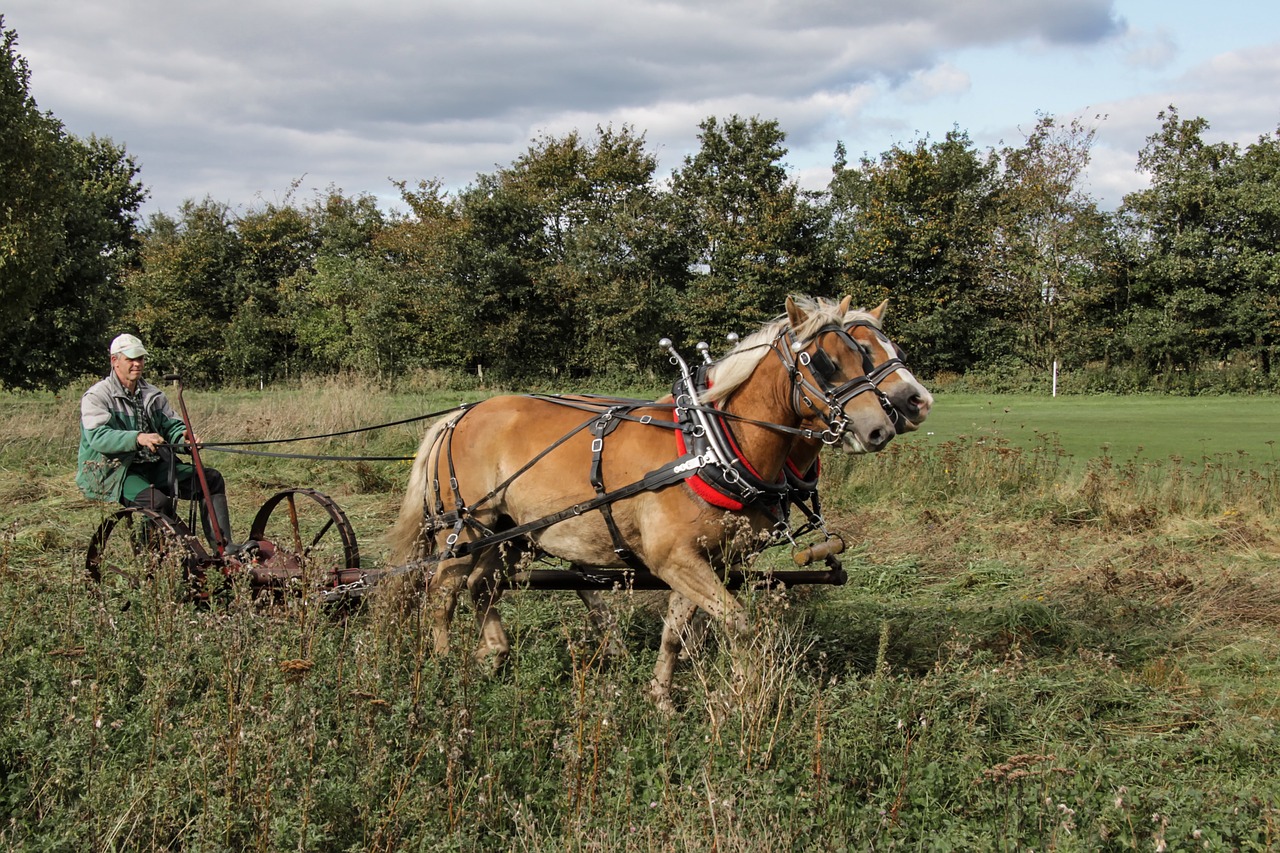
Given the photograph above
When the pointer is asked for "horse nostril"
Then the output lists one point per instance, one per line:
(878, 438)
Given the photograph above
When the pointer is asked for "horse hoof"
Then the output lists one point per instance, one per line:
(489, 659)
(661, 697)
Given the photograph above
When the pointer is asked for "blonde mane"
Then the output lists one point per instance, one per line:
(727, 374)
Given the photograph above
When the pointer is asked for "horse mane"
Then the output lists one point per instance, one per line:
(729, 372)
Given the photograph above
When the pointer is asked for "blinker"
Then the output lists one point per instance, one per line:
(822, 364)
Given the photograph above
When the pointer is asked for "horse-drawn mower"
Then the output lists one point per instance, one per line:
(300, 540)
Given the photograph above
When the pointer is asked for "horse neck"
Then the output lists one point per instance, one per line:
(764, 396)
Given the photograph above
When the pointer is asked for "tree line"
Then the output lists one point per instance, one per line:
(575, 259)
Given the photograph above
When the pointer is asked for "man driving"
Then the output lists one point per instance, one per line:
(127, 429)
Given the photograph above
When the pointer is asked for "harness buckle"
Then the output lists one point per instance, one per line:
(597, 445)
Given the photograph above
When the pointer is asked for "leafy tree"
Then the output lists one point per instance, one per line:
(67, 231)
(1251, 206)
(756, 234)
(184, 297)
(1051, 248)
(1180, 282)
(276, 245)
(566, 259)
(421, 251)
(915, 226)
(511, 311)
(611, 254)
(33, 195)
(344, 309)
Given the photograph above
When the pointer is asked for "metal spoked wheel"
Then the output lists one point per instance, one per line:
(136, 549)
(304, 539)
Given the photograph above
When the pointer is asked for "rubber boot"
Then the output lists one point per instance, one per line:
(223, 516)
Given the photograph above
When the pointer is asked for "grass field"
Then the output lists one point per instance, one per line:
(1244, 429)
(1041, 646)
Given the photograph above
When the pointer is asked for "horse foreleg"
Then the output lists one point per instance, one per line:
(693, 590)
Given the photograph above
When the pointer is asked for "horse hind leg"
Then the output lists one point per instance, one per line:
(604, 622)
(485, 585)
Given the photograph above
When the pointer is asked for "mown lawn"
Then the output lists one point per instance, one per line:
(1149, 427)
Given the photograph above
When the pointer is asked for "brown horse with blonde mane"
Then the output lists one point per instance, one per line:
(909, 401)
(509, 476)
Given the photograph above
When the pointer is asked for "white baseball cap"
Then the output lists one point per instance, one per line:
(128, 346)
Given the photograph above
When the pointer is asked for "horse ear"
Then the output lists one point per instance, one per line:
(878, 311)
(794, 315)
(844, 305)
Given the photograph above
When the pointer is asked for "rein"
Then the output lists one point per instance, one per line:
(236, 446)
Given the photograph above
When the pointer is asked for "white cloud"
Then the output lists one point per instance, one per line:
(238, 100)
(927, 84)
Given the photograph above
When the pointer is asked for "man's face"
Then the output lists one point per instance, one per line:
(128, 370)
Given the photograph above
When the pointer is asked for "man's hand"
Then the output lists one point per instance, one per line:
(150, 440)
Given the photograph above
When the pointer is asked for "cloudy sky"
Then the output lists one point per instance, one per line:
(240, 101)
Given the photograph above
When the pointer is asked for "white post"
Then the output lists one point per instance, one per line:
(1055, 377)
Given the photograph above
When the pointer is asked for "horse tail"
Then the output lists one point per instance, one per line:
(408, 537)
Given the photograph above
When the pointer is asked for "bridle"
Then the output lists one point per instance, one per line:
(878, 373)
(819, 367)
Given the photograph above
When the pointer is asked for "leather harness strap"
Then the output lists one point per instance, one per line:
(671, 473)
(605, 425)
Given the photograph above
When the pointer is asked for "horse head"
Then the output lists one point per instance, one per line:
(909, 400)
(830, 384)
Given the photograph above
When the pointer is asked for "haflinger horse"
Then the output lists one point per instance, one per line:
(908, 404)
(509, 476)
